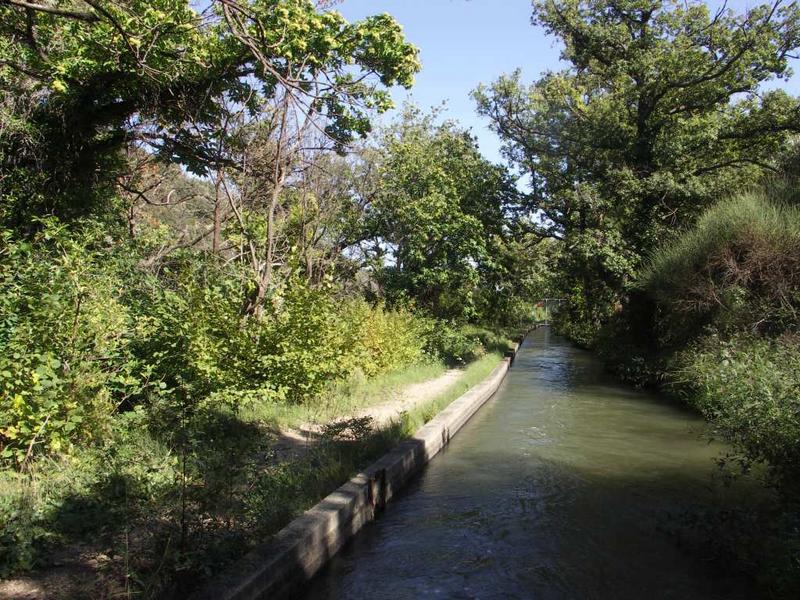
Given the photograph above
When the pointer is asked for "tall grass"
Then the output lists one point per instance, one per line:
(737, 269)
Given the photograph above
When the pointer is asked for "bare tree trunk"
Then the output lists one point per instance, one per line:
(132, 220)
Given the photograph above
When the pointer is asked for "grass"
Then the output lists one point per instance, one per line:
(343, 397)
(741, 222)
(474, 373)
(168, 518)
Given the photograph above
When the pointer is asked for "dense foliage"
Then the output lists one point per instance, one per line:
(715, 323)
(447, 225)
(660, 111)
(725, 299)
(193, 246)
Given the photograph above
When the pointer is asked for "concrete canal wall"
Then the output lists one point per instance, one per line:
(299, 550)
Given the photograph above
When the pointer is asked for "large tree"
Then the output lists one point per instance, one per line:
(82, 79)
(438, 214)
(660, 111)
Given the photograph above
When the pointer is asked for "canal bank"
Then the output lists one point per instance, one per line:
(565, 485)
(282, 565)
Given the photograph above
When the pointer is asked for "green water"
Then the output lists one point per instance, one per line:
(565, 485)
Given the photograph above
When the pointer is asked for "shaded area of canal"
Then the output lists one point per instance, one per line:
(565, 485)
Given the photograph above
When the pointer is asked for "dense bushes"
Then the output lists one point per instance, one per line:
(738, 269)
(714, 321)
(86, 335)
(128, 395)
(64, 341)
(749, 388)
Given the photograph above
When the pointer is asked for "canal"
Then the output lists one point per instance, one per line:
(565, 485)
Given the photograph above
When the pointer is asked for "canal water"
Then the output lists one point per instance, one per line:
(565, 485)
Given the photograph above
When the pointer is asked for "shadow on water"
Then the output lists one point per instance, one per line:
(566, 485)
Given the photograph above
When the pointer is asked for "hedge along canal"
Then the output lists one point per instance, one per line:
(280, 567)
(565, 485)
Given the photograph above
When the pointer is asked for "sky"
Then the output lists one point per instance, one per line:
(467, 42)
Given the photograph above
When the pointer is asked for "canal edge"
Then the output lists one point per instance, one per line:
(298, 551)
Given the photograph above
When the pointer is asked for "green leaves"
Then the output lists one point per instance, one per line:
(158, 73)
(438, 204)
(63, 340)
(658, 114)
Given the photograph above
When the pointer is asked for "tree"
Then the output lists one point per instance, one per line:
(82, 79)
(439, 208)
(93, 76)
(660, 111)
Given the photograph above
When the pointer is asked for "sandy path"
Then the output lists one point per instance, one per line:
(408, 398)
(294, 441)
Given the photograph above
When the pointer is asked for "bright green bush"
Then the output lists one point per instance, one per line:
(379, 340)
(64, 338)
(199, 344)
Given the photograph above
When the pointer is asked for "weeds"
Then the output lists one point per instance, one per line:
(171, 502)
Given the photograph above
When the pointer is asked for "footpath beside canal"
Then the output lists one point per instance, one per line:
(278, 568)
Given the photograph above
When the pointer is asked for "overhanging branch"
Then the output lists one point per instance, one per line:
(53, 10)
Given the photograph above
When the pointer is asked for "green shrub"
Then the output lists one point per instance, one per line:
(748, 387)
(195, 338)
(450, 343)
(64, 341)
(379, 340)
(738, 269)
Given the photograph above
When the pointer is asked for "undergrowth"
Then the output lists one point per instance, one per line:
(169, 499)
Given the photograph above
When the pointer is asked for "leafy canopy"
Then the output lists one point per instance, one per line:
(82, 79)
(439, 211)
(660, 111)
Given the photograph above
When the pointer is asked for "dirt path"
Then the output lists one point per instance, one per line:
(293, 442)
(77, 576)
(409, 398)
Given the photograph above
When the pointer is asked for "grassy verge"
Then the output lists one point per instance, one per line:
(343, 397)
(141, 517)
(473, 374)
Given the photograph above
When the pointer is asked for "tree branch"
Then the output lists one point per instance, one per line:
(54, 10)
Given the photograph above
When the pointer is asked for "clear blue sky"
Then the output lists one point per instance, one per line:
(463, 43)
(467, 42)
